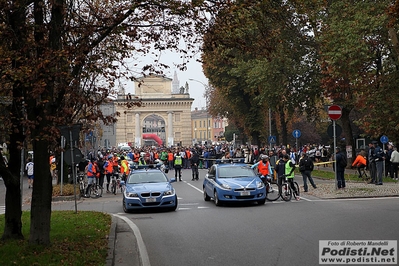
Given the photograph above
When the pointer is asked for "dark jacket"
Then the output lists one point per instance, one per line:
(339, 158)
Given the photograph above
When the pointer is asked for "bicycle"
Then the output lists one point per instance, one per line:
(286, 190)
(273, 191)
(95, 190)
(116, 183)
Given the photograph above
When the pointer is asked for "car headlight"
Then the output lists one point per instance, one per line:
(260, 184)
(132, 194)
(225, 186)
(169, 192)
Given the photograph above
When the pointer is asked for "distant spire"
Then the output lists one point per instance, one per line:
(175, 84)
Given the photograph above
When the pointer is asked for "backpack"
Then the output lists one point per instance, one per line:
(343, 163)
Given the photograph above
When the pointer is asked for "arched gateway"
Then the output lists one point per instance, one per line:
(164, 115)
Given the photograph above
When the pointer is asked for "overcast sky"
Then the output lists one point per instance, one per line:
(194, 71)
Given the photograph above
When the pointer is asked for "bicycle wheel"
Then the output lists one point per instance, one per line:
(272, 193)
(96, 191)
(113, 186)
(286, 192)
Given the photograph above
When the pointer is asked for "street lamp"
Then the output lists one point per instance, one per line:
(206, 107)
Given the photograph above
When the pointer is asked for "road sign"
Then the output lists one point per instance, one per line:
(334, 112)
(384, 139)
(272, 139)
(296, 133)
(330, 130)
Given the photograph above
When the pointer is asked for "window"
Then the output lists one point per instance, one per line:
(360, 143)
(177, 117)
(129, 118)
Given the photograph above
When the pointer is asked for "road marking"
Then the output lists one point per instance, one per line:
(2, 209)
(194, 187)
(144, 259)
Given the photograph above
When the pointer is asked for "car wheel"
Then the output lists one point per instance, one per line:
(206, 197)
(216, 199)
(124, 206)
(174, 207)
(261, 202)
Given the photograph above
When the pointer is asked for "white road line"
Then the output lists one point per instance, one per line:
(2, 209)
(145, 260)
(194, 187)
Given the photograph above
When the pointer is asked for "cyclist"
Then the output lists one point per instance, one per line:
(264, 168)
(360, 162)
(91, 174)
(124, 168)
(289, 173)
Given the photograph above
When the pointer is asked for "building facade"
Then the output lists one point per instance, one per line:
(163, 118)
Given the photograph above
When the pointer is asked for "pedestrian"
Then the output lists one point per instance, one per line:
(395, 162)
(378, 156)
(264, 168)
(194, 161)
(29, 171)
(340, 159)
(280, 171)
(171, 156)
(101, 171)
(178, 164)
(108, 170)
(306, 167)
(371, 163)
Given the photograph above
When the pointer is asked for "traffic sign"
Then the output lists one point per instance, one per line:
(272, 139)
(330, 130)
(334, 112)
(384, 139)
(296, 133)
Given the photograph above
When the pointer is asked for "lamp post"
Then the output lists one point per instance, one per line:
(207, 128)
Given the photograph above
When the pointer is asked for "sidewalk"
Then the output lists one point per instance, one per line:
(354, 189)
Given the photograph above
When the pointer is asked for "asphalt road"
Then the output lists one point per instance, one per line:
(277, 233)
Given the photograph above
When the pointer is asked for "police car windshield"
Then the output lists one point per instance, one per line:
(147, 177)
(235, 172)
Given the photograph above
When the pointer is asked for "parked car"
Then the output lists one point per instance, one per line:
(233, 182)
(149, 188)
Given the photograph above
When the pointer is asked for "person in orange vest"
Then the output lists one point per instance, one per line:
(360, 162)
(124, 168)
(187, 163)
(109, 169)
(264, 168)
(171, 159)
(91, 174)
(136, 157)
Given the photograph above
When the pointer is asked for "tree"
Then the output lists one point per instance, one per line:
(60, 60)
(259, 55)
(357, 63)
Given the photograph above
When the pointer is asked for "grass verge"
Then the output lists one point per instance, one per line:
(76, 239)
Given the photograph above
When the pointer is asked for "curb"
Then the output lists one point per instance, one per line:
(110, 261)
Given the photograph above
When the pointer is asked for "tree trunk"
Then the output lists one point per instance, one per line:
(41, 196)
(11, 177)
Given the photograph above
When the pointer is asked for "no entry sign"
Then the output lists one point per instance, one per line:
(334, 112)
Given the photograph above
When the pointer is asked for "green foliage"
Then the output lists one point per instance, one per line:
(77, 239)
(258, 56)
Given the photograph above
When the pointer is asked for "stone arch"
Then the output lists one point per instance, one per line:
(154, 129)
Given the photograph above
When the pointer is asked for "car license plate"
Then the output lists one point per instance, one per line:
(245, 193)
(151, 200)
